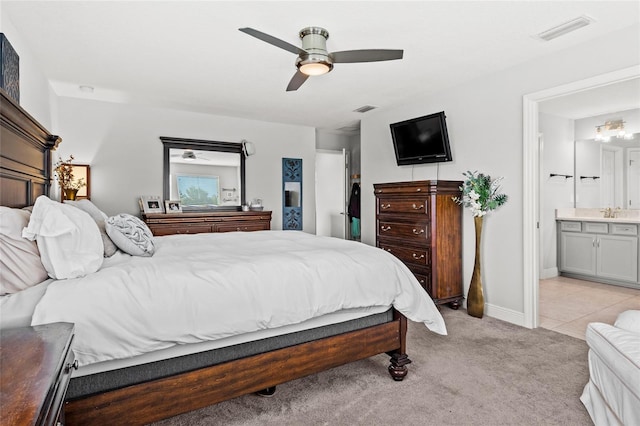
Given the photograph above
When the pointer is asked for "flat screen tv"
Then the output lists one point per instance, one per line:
(421, 140)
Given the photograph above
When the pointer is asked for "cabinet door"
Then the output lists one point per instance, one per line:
(618, 257)
(578, 253)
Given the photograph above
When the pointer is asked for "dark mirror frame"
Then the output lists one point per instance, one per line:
(202, 145)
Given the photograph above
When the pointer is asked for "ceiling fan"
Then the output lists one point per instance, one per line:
(189, 155)
(313, 58)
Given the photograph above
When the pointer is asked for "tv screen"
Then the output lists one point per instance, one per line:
(421, 140)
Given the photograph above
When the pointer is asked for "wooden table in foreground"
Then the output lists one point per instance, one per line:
(35, 369)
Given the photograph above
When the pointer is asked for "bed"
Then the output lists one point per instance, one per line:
(347, 316)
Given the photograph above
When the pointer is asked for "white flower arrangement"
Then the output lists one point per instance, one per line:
(480, 194)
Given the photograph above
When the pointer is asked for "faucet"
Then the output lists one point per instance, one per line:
(611, 213)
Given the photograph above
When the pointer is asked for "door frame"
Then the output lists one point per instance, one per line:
(531, 179)
(627, 194)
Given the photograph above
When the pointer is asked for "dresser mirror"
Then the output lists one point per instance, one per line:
(607, 174)
(204, 175)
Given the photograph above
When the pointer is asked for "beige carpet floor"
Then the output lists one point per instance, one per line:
(485, 372)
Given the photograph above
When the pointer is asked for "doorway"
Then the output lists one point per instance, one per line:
(531, 181)
(332, 168)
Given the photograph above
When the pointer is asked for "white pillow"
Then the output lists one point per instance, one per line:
(20, 264)
(100, 217)
(131, 235)
(69, 240)
(629, 320)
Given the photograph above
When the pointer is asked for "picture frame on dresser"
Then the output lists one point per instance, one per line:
(152, 204)
(172, 206)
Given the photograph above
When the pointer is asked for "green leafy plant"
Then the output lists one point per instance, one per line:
(480, 194)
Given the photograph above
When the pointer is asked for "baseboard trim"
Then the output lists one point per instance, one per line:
(505, 314)
(549, 273)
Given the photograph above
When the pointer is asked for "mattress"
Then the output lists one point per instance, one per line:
(193, 348)
(209, 287)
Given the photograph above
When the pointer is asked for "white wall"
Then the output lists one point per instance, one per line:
(36, 95)
(557, 192)
(122, 145)
(484, 119)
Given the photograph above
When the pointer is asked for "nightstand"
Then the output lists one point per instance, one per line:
(35, 366)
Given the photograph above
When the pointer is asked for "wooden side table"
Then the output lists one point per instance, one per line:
(35, 369)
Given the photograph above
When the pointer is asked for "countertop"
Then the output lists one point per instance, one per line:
(596, 215)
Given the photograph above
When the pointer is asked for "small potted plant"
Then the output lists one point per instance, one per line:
(69, 186)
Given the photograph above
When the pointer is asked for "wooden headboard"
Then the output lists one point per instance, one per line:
(25, 155)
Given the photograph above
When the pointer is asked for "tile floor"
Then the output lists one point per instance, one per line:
(567, 305)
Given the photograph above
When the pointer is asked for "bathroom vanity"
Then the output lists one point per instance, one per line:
(597, 248)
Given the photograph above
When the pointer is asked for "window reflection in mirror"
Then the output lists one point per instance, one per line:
(607, 174)
(204, 175)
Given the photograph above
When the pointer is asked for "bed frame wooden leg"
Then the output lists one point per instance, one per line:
(399, 359)
(398, 367)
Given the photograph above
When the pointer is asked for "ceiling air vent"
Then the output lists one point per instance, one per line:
(364, 109)
(565, 28)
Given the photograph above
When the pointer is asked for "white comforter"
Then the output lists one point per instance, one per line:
(209, 286)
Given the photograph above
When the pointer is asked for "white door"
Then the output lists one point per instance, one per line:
(633, 179)
(331, 193)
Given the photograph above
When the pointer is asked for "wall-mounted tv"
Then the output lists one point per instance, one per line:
(421, 140)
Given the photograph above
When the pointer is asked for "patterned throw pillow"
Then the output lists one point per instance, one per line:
(130, 234)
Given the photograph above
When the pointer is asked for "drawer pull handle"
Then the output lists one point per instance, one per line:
(421, 280)
(419, 189)
(421, 206)
(385, 228)
(418, 231)
(387, 249)
(385, 206)
(71, 366)
(415, 256)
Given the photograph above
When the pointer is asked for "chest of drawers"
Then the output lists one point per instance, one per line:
(421, 225)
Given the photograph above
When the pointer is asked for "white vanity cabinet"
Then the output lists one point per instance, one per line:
(599, 251)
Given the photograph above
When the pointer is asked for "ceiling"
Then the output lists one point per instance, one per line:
(190, 55)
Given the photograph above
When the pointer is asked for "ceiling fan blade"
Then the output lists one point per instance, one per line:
(272, 40)
(366, 55)
(296, 81)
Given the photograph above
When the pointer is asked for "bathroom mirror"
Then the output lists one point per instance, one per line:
(607, 174)
(204, 175)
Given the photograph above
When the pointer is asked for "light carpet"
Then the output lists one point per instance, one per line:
(485, 372)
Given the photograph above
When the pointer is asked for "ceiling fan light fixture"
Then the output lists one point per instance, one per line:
(315, 68)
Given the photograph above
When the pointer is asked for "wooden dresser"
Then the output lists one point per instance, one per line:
(421, 225)
(35, 365)
(194, 223)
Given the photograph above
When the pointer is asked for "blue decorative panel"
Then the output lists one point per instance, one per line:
(9, 69)
(292, 193)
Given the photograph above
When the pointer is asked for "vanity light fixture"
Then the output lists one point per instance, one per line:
(612, 126)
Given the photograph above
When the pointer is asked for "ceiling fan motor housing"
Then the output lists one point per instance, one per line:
(314, 43)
